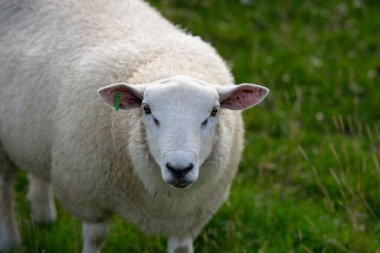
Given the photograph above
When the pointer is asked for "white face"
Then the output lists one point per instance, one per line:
(180, 114)
(180, 120)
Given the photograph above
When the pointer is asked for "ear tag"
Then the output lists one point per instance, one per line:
(117, 101)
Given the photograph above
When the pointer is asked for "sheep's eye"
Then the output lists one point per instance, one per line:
(214, 112)
(147, 109)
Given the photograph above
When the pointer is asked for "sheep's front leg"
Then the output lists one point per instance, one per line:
(94, 235)
(178, 244)
(41, 199)
(9, 235)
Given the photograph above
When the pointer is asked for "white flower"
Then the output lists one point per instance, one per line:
(285, 78)
(316, 62)
(371, 74)
(319, 116)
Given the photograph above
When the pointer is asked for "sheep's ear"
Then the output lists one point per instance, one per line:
(127, 96)
(240, 97)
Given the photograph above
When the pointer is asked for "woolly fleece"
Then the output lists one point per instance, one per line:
(54, 56)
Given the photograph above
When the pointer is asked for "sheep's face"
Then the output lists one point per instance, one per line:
(180, 114)
(180, 118)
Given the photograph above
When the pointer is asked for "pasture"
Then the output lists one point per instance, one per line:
(309, 180)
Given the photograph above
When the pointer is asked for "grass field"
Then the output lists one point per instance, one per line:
(309, 180)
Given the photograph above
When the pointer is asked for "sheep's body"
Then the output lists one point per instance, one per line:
(54, 56)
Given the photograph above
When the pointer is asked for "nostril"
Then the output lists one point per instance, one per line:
(188, 168)
(175, 171)
(170, 167)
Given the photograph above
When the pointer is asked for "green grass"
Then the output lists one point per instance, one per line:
(309, 180)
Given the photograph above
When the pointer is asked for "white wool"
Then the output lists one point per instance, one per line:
(54, 56)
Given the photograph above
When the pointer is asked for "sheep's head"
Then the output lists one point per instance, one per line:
(180, 114)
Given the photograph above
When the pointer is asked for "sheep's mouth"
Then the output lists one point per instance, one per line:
(179, 183)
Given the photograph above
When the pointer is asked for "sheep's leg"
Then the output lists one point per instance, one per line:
(178, 244)
(94, 235)
(9, 235)
(41, 199)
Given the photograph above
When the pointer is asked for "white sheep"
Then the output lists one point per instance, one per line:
(164, 161)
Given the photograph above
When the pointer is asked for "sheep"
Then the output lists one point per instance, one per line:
(115, 111)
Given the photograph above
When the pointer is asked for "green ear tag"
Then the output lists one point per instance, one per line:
(117, 101)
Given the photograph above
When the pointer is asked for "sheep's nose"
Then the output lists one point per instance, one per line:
(179, 168)
(179, 172)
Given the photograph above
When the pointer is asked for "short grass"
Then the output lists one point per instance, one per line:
(309, 180)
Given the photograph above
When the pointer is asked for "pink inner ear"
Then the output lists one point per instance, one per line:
(244, 97)
(127, 98)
